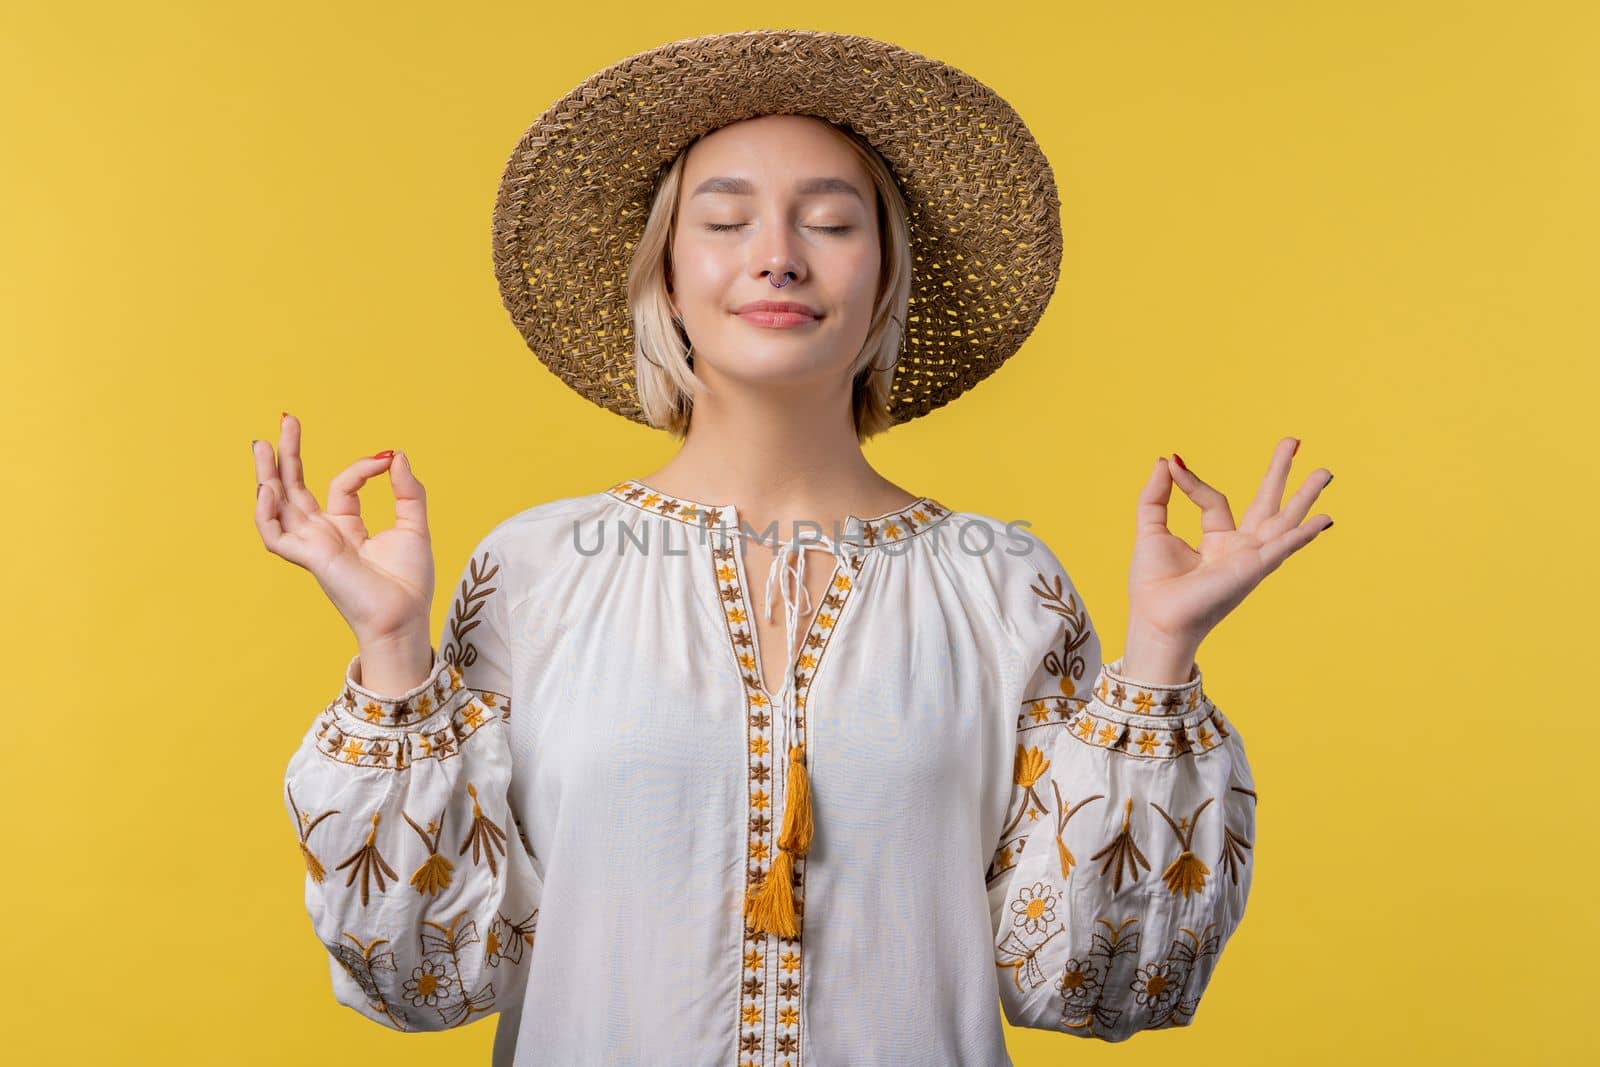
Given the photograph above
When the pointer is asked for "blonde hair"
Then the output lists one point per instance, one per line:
(663, 372)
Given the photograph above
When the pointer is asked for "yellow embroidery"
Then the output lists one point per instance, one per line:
(435, 873)
(1187, 873)
(304, 824)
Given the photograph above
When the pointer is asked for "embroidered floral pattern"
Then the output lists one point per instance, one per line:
(769, 990)
(304, 824)
(368, 863)
(1069, 664)
(770, 978)
(365, 730)
(432, 721)
(880, 531)
(1099, 983)
(438, 980)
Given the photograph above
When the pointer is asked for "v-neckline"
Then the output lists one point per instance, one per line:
(859, 534)
(792, 657)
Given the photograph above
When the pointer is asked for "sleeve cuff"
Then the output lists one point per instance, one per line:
(404, 712)
(1149, 721)
(432, 721)
(1118, 692)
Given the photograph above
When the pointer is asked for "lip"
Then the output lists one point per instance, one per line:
(781, 313)
(778, 305)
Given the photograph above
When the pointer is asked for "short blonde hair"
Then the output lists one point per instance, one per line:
(663, 367)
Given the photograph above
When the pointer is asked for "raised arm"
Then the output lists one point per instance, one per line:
(1126, 857)
(419, 881)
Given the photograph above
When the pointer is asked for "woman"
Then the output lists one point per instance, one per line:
(648, 822)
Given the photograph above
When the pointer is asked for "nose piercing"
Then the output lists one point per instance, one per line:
(786, 275)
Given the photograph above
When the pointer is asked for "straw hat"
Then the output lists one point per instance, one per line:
(984, 214)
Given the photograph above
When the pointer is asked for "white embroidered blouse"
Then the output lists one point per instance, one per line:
(562, 823)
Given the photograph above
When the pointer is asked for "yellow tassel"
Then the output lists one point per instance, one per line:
(770, 906)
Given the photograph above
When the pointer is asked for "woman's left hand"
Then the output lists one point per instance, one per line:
(1178, 594)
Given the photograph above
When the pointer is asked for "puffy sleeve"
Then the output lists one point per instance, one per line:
(419, 881)
(1125, 859)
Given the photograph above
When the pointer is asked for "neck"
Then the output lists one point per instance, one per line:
(778, 459)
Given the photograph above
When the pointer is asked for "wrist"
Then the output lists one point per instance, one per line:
(1157, 658)
(396, 663)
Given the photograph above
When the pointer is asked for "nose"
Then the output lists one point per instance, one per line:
(776, 257)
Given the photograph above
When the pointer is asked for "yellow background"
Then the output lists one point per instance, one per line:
(1369, 225)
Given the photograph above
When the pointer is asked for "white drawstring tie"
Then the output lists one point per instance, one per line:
(771, 906)
(796, 601)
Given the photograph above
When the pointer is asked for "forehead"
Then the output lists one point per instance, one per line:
(775, 151)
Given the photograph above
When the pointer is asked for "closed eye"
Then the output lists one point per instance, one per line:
(721, 226)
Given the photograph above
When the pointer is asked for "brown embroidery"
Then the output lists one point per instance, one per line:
(769, 982)
(1160, 986)
(507, 939)
(1180, 698)
(1091, 724)
(1233, 857)
(1064, 814)
(460, 714)
(1068, 664)
(368, 862)
(1031, 913)
(469, 604)
(484, 833)
(437, 982)
(363, 963)
(910, 521)
(1122, 850)
(448, 942)
(304, 824)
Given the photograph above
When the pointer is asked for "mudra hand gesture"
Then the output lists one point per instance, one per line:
(1178, 594)
(381, 583)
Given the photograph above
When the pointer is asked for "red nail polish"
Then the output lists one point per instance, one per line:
(1296, 446)
(385, 454)
(1179, 460)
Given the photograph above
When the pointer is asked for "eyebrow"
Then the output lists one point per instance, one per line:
(809, 187)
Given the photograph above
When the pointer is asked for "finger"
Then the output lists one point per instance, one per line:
(1215, 514)
(1151, 512)
(1269, 498)
(1298, 505)
(286, 517)
(344, 503)
(266, 516)
(294, 481)
(1280, 548)
(410, 498)
(279, 541)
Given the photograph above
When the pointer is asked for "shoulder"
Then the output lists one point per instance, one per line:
(1006, 567)
(553, 518)
(530, 542)
(1006, 551)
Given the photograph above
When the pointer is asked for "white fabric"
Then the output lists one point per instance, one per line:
(1000, 819)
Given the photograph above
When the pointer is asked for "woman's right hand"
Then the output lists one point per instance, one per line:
(382, 585)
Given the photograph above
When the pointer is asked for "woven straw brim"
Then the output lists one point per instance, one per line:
(985, 218)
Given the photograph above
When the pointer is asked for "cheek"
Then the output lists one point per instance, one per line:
(862, 272)
(698, 272)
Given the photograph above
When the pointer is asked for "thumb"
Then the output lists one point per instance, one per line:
(410, 498)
